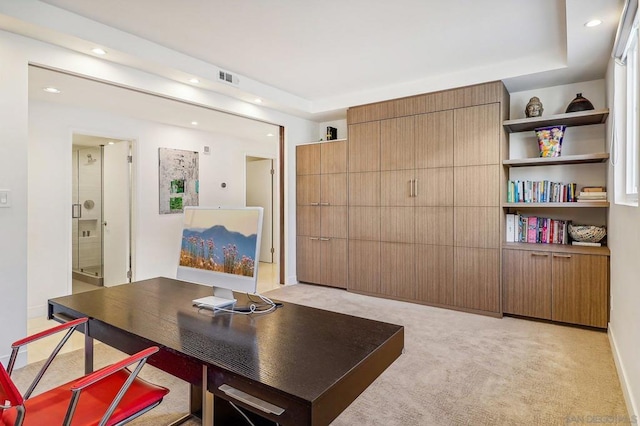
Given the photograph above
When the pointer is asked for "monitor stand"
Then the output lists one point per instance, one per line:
(222, 297)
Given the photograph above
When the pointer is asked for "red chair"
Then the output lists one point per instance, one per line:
(112, 395)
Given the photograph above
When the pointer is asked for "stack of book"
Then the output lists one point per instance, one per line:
(537, 230)
(540, 192)
(590, 194)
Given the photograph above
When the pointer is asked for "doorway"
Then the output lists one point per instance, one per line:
(101, 212)
(261, 190)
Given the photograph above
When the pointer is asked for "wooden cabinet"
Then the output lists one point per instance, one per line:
(424, 198)
(559, 286)
(321, 217)
(563, 283)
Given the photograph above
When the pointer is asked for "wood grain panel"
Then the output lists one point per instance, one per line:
(526, 283)
(476, 227)
(477, 135)
(397, 270)
(333, 157)
(477, 186)
(409, 106)
(333, 189)
(364, 147)
(308, 259)
(434, 274)
(397, 224)
(395, 188)
(434, 140)
(307, 189)
(434, 225)
(308, 220)
(434, 187)
(335, 265)
(308, 159)
(333, 220)
(364, 266)
(397, 143)
(364, 189)
(477, 279)
(580, 289)
(364, 223)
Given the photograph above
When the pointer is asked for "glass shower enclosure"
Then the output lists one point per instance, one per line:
(87, 214)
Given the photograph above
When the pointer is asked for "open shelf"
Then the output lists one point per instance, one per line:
(599, 157)
(590, 204)
(580, 118)
(558, 248)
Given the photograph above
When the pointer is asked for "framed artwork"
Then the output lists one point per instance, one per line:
(178, 175)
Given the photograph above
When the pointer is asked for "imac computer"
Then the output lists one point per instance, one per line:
(220, 248)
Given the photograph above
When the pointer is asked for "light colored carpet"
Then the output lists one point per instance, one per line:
(457, 369)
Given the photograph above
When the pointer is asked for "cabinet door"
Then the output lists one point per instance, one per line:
(333, 189)
(396, 188)
(333, 221)
(397, 224)
(308, 159)
(308, 190)
(434, 225)
(364, 189)
(434, 274)
(477, 135)
(397, 270)
(397, 143)
(364, 223)
(434, 187)
(334, 269)
(526, 283)
(477, 278)
(308, 259)
(580, 289)
(364, 266)
(364, 147)
(333, 157)
(308, 221)
(434, 140)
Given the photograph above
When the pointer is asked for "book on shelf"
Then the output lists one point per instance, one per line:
(538, 230)
(511, 228)
(592, 194)
(592, 200)
(593, 189)
(540, 192)
(585, 243)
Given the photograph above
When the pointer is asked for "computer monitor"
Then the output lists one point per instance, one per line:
(220, 248)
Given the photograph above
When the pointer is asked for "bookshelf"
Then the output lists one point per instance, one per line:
(558, 282)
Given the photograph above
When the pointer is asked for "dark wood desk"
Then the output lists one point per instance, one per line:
(310, 362)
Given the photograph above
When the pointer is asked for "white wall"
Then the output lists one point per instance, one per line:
(156, 236)
(15, 53)
(340, 125)
(624, 243)
(13, 176)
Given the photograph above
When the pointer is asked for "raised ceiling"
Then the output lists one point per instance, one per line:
(316, 58)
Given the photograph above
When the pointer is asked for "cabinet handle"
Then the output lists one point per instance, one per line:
(415, 187)
(314, 238)
(540, 254)
(566, 256)
(324, 239)
(410, 188)
(314, 204)
(325, 204)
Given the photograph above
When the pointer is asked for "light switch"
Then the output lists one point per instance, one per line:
(5, 198)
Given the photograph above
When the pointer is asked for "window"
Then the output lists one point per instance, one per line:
(632, 121)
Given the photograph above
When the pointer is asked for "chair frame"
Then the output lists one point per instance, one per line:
(78, 385)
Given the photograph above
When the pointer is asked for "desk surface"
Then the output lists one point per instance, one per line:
(320, 359)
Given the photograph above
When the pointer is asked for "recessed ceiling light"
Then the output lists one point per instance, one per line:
(194, 123)
(194, 80)
(51, 90)
(258, 101)
(270, 134)
(593, 23)
(112, 143)
(99, 51)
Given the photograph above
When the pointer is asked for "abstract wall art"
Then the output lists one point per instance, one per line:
(179, 185)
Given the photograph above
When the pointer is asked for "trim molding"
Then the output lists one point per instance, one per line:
(624, 383)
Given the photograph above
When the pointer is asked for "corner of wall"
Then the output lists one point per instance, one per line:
(623, 377)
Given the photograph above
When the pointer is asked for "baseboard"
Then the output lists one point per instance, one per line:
(624, 383)
(291, 280)
(36, 311)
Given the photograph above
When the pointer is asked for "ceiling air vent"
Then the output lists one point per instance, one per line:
(227, 77)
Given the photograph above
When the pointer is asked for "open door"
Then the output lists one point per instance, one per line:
(116, 223)
(260, 192)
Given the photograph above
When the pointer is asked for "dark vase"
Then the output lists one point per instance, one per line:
(579, 104)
